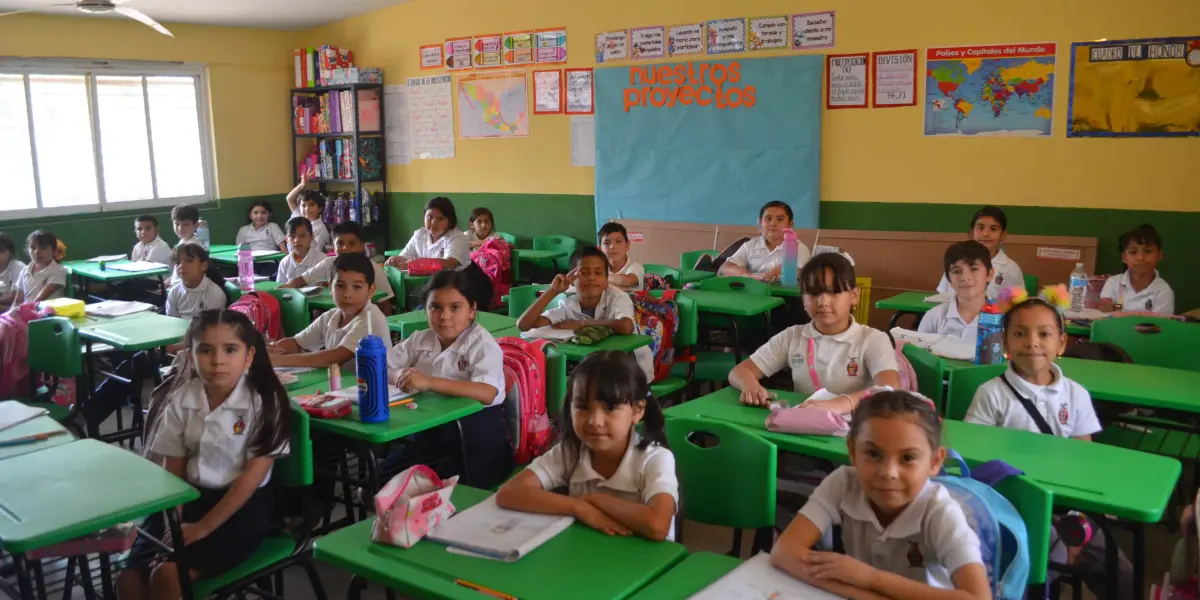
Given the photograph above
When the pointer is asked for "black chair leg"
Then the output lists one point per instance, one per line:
(736, 552)
(314, 579)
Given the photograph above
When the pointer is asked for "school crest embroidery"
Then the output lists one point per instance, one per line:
(239, 426)
(915, 558)
(1063, 415)
(1149, 304)
(999, 279)
(462, 363)
(852, 367)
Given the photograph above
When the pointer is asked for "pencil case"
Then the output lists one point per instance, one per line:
(420, 267)
(324, 406)
(414, 502)
(117, 538)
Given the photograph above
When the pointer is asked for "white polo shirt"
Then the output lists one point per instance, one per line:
(215, 442)
(157, 251)
(756, 258)
(329, 331)
(184, 302)
(474, 356)
(10, 275)
(632, 267)
(1064, 404)
(321, 237)
(944, 319)
(191, 240)
(614, 305)
(642, 474)
(1007, 273)
(472, 237)
(267, 238)
(322, 272)
(289, 269)
(927, 542)
(1156, 297)
(845, 363)
(452, 244)
(32, 283)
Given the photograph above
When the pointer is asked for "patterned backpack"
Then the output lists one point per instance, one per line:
(654, 281)
(494, 258)
(263, 310)
(530, 433)
(659, 319)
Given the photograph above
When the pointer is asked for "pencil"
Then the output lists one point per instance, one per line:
(483, 590)
(29, 439)
(396, 403)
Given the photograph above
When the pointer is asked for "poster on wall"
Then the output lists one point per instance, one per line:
(550, 45)
(726, 36)
(493, 105)
(813, 30)
(430, 117)
(547, 92)
(768, 33)
(458, 53)
(894, 78)
(996, 90)
(486, 51)
(846, 81)
(612, 45)
(518, 48)
(431, 56)
(647, 42)
(579, 92)
(683, 40)
(395, 102)
(1135, 88)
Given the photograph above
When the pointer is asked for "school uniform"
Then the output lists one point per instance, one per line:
(1156, 297)
(634, 268)
(267, 238)
(927, 542)
(473, 237)
(185, 302)
(321, 236)
(329, 331)
(289, 269)
(32, 283)
(452, 244)
(642, 474)
(614, 305)
(944, 319)
(10, 275)
(1006, 274)
(194, 239)
(756, 258)
(1064, 404)
(843, 364)
(157, 251)
(323, 272)
(474, 356)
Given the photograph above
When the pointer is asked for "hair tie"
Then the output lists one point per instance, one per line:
(1057, 296)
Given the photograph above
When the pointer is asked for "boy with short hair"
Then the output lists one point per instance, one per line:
(310, 204)
(989, 226)
(193, 291)
(185, 218)
(302, 255)
(348, 238)
(624, 272)
(334, 336)
(1139, 287)
(968, 266)
(150, 247)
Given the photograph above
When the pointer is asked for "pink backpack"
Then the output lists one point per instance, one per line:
(263, 310)
(14, 349)
(494, 258)
(530, 434)
(908, 376)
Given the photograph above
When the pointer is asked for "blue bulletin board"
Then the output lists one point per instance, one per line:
(709, 141)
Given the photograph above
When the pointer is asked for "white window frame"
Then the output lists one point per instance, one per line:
(90, 69)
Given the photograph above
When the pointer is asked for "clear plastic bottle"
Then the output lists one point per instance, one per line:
(245, 260)
(1078, 287)
(989, 345)
(202, 233)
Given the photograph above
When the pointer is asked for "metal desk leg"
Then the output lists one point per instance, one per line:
(462, 444)
(23, 581)
(1139, 560)
(178, 556)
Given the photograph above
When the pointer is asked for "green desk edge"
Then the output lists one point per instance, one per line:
(912, 302)
(694, 573)
(623, 343)
(33, 427)
(91, 270)
(734, 304)
(411, 322)
(147, 331)
(432, 410)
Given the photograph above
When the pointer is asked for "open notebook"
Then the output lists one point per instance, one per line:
(548, 333)
(492, 532)
(137, 266)
(13, 413)
(756, 579)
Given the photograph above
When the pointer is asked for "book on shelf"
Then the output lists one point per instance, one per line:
(333, 112)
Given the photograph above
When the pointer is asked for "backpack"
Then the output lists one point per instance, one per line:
(908, 375)
(1003, 539)
(709, 263)
(494, 258)
(14, 349)
(263, 310)
(654, 281)
(659, 319)
(530, 433)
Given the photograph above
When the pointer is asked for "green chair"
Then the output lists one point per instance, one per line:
(232, 291)
(556, 242)
(395, 278)
(687, 260)
(1031, 284)
(963, 383)
(293, 308)
(686, 336)
(667, 273)
(55, 350)
(508, 237)
(715, 366)
(928, 367)
(1034, 503)
(522, 297)
(712, 458)
(1156, 341)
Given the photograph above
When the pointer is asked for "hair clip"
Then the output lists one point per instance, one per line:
(1010, 297)
(1057, 296)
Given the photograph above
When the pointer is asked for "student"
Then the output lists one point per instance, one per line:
(440, 238)
(261, 233)
(1033, 395)
(968, 265)
(989, 227)
(185, 218)
(1139, 287)
(618, 481)
(221, 432)
(43, 278)
(348, 238)
(10, 269)
(596, 302)
(906, 537)
(334, 336)
(483, 227)
(195, 292)
(310, 204)
(831, 352)
(149, 247)
(762, 257)
(456, 357)
(624, 272)
(302, 255)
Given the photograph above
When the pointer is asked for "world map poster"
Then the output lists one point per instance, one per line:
(1001, 90)
(492, 105)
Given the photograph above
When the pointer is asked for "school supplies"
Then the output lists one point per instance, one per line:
(324, 406)
(791, 252)
(371, 366)
(257, 278)
(529, 429)
(420, 267)
(591, 335)
(941, 345)
(14, 413)
(65, 307)
(485, 591)
(31, 439)
(117, 308)
(808, 420)
(756, 579)
(412, 504)
(351, 394)
(548, 333)
(107, 258)
(989, 346)
(493, 532)
(137, 266)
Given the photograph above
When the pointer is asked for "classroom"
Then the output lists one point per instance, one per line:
(643, 253)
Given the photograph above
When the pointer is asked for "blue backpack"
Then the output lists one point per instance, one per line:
(1003, 539)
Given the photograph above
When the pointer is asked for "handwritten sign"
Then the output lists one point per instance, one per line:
(894, 79)
(547, 92)
(458, 53)
(648, 42)
(579, 91)
(431, 57)
(486, 50)
(612, 45)
(726, 36)
(768, 33)
(813, 30)
(683, 40)
(846, 79)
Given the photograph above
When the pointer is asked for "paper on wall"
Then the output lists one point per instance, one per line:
(395, 117)
(583, 141)
(431, 117)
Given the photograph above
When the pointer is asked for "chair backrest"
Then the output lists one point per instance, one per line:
(293, 310)
(928, 367)
(54, 348)
(1033, 502)
(556, 382)
(508, 237)
(296, 469)
(232, 291)
(1031, 284)
(687, 260)
(557, 242)
(743, 285)
(522, 297)
(963, 383)
(667, 273)
(395, 279)
(688, 331)
(1156, 341)
(730, 459)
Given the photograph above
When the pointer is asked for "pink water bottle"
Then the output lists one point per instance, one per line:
(791, 258)
(245, 268)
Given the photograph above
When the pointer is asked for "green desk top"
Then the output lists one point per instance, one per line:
(910, 302)
(432, 410)
(91, 270)
(528, 254)
(1078, 329)
(221, 248)
(783, 291)
(692, 574)
(411, 322)
(551, 572)
(1082, 475)
(687, 276)
(732, 303)
(507, 332)
(230, 258)
(142, 331)
(79, 488)
(33, 427)
(624, 343)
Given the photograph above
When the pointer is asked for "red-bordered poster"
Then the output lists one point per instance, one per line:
(894, 78)
(548, 92)
(580, 92)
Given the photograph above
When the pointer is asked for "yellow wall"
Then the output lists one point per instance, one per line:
(868, 155)
(250, 71)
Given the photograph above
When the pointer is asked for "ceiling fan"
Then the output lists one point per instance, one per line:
(100, 7)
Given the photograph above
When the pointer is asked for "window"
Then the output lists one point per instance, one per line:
(82, 136)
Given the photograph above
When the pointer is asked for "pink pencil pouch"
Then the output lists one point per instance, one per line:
(807, 420)
(420, 267)
(412, 503)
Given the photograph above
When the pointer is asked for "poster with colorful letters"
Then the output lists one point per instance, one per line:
(768, 33)
(612, 45)
(458, 53)
(487, 51)
(726, 36)
(683, 40)
(518, 48)
(648, 42)
(813, 30)
(431, 56)
(550, 45)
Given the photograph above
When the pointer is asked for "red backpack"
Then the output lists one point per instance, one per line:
(530, 433)
(494, 258)
(659, 319)
(263, 310)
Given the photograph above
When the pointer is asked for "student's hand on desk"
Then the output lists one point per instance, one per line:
(756, 396)
(569, 324)
(1104, 305)
(194, 532)
(771, 276)
(413, 380)
(397, 261)
(596, 519)
(832, 566)
(274, 349)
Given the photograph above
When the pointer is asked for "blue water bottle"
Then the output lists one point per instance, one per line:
(989, 345)
(371, 363)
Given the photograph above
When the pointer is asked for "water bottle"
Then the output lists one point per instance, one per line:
(354, 212)
(202, 233)
(371, 362)
(245, 268)
(791, 251)
(989, 345)
(1078, 287)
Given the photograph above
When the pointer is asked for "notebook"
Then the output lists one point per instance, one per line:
(13, 413)
(351, 393)
(488, 531)
(756, 579)
(107, 258)
(137, 266)
(939, 298)
(549, 333)
(941, 345)
(117, 308)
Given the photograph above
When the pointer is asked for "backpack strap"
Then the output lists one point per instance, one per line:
(1037, 417)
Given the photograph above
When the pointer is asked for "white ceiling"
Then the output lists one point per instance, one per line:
(269, 14)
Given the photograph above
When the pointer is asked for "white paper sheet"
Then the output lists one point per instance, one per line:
(137, 266)
(583, 141)
(939, 298)
(940, 345)
(396, 124)
(497, 533)
(351, 393)
(13, 413)
(117, 308)
(1087, 314)
(756, 579)
(548, 333)
(107, 258)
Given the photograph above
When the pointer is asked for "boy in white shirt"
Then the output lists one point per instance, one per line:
(10, 269)
(194, 292)
(762, 256)
(334, 336)
(624, 272)
(150, 247)
(968, 265)
(1139, 287)
(348, 238)
(310, 204)
(989, 227)
(43, 278)
(184, 219)
(302, 255)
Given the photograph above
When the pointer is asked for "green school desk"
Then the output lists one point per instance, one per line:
(694, 573)
(409, 323)
(230, 258)
(82, 271)
(33, 427)
(142, 331)
(731, 303)
(623, 343)
(551, 572)
(784, 291)
(906, 303)
(529, 255)
(221, 248)
(508, 332)
(687, 276)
